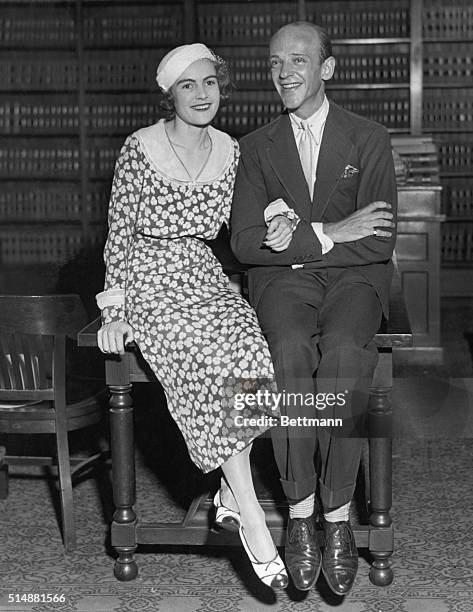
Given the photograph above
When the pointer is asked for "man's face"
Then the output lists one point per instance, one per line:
(296, 70)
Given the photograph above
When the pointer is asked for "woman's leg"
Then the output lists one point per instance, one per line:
(237, 474)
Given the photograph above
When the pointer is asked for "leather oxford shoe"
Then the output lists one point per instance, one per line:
(340, 556)
(303, 557)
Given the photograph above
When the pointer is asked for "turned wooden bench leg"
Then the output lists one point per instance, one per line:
(381, 538)
(123, 530)
(3, 474)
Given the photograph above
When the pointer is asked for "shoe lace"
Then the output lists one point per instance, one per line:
(343, 534)
(301, 532)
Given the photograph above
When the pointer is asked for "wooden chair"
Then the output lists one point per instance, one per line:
(127, 532)
(34, 396)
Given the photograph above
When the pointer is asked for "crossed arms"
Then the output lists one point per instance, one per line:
(355, 244)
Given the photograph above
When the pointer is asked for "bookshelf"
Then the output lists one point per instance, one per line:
(76, 76)
(448, 115)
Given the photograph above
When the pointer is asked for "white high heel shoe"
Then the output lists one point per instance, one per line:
(225, 517)
(271, 573)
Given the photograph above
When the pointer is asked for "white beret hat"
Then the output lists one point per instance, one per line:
(178, 60)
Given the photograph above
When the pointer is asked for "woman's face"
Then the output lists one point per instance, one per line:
(196, 93)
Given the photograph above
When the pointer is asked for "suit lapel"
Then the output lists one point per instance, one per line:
(335, 150)
(284, 159)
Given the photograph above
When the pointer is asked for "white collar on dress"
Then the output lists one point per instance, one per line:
(157, 149)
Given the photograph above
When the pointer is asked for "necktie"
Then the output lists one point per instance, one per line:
(306, 148)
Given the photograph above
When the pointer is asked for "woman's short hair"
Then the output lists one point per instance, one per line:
(225, 85)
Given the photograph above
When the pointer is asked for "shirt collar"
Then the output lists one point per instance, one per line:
(316, 121)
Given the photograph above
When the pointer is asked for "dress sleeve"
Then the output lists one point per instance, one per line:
(122, 216)
(234, 166)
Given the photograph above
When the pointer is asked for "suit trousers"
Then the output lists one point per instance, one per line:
(320, 326)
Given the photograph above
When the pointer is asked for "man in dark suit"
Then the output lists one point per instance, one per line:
(314, 216)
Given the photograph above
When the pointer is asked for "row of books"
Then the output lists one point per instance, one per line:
(162, 23)
(442, 19)
(121, 114)
(457, 197)
(448, 63)
(49, 202)
(456, 153)
(457, 242)
(22, 115)
(38, 114)
(39, 71)
(51, 27)
(157, 24)
(446, 109)
(244, 22)
(132, 70)
(135, 71)
(369, 19)
(154, 24)
(33, 245)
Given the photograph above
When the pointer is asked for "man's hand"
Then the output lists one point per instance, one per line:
(374, 219)
(279, 234)
(113, 337)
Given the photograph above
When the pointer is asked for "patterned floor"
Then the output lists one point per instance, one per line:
(433, 492)
(433, 497)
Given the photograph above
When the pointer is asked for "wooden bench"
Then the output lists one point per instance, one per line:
(126, 530)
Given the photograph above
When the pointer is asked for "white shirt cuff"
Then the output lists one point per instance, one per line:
(111, 297)
(325, 241)
(278, 207)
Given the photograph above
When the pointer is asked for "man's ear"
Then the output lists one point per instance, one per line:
(328, 68)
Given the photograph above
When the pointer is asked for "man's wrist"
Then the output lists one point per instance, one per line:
(290, 217)
(329, 229)
(326, 242)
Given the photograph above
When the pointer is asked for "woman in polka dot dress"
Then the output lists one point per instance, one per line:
(165, 289)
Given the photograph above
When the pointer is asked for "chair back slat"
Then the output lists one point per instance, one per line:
(29, 361)
(13, 356)
(42, 348)
(43, 314)
(25, 361)
(5, 366)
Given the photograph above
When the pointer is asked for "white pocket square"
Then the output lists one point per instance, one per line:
(349, 172)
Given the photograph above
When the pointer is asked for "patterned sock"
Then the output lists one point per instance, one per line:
(339, 514)
(302, 509)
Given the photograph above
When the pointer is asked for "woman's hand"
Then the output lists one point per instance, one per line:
(279, 234)
(112, 337)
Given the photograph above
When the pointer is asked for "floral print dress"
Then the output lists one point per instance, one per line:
(201, 338)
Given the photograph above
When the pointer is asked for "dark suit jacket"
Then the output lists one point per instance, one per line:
(270, 168)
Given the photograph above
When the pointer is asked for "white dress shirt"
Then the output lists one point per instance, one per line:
(316, 124)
